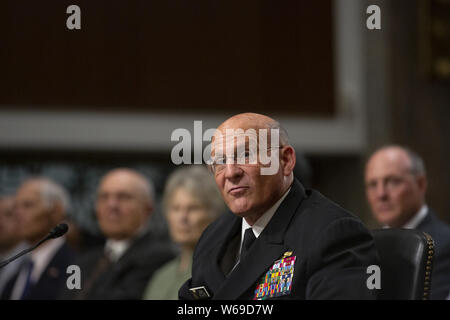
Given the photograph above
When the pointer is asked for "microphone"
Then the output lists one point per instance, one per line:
(56, 232)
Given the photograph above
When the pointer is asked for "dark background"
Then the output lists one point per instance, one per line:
(180, 55)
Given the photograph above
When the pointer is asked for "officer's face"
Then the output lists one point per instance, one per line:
(393, 192)
(244, 188)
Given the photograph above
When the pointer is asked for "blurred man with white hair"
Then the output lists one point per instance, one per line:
(41, 204)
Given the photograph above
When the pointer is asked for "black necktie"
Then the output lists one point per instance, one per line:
(99, 269)
(249, 238)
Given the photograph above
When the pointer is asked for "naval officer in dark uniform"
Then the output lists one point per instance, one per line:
(279, 240)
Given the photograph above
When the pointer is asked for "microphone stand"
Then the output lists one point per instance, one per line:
(56, 232)
(4, 263)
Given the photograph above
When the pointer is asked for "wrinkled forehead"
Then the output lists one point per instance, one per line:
(236, 138)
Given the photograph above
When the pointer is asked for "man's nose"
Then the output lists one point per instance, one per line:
(112, 202)
(232, 171)
(18, 212)
(381, 191)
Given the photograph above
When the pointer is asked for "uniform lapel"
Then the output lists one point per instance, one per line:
(213, 272)
(266, 249)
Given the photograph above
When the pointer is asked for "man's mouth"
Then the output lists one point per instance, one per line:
(384, 208)
(113, 216)
(237, 190)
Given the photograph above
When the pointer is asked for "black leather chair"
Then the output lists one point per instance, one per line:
(406, 262)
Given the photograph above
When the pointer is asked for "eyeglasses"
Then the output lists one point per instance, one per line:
(242, 158)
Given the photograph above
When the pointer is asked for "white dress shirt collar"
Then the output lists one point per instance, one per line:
(115, 249)
(42, 256)
(262, 222)
(417, 218)
(9, 271)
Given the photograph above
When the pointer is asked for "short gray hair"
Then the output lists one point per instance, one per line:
(199, 182)
(417, 163)
(52, 193)
(284, 138)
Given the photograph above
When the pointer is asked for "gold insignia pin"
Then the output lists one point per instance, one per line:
(200, 293)
(287, 254)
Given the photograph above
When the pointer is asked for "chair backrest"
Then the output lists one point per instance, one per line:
(406, 257)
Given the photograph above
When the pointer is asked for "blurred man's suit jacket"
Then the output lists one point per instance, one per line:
(52, 280)
(332, 248)
(440, 232)
(125, 278)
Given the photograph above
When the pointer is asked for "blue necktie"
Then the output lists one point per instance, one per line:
(28, 284)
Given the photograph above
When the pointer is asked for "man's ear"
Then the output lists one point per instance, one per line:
(57, 213)
(287, 160)
(422, 182)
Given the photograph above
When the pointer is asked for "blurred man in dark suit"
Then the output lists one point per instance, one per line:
(281, 240)
(122, 268)
(396, 184)
(41, 204)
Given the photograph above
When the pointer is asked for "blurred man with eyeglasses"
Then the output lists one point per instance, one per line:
(132, 252)
(279, 240)
(396, 184)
